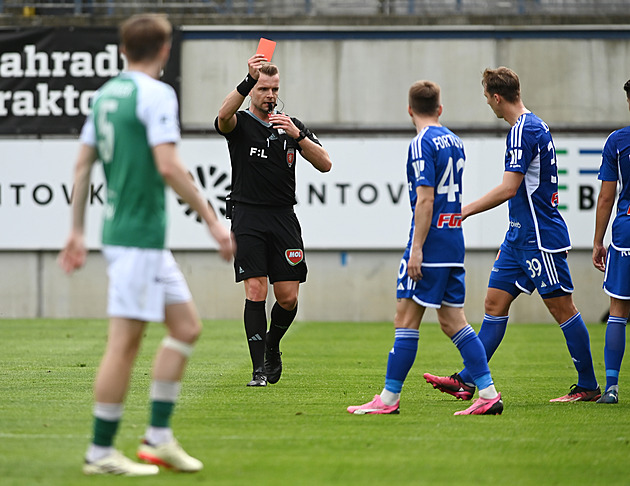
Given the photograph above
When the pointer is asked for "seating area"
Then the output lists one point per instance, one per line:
(318, 8)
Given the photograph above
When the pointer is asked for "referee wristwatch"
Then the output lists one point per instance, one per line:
(301, 136)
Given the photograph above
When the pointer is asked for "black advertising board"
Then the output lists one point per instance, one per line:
(48, 76)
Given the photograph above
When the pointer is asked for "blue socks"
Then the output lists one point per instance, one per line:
(401, 358)
(579, 345)
(474, 356)
(614, 348)
(491, 334)
(575, 332)
(403, 355)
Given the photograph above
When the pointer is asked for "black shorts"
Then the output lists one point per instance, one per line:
(268, 243)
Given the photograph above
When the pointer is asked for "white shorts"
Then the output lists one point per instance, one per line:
(142, 282)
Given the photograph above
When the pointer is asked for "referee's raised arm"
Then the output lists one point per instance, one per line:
(226, 121)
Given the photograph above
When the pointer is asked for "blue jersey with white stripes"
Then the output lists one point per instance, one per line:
(616, 167)
(535, 221)
(436, 158)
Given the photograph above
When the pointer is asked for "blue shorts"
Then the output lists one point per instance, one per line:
(517, 271)
(438, 286)
(616, 281)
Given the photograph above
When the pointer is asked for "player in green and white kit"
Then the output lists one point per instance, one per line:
(133, 130)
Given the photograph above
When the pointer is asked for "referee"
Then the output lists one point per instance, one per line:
(263, 146)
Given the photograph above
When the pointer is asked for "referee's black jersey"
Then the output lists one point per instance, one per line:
(263, 161)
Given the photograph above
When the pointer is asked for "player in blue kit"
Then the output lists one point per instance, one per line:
(431, 272)
(616, 262)
(533, 255)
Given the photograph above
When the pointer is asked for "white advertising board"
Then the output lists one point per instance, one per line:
(361, 204)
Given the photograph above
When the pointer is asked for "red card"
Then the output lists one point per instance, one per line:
(266, 48)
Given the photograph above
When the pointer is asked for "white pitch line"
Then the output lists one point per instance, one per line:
(4, 435)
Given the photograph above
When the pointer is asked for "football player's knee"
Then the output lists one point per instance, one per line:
(256, 289)
(188, 333)
(183, 348)
(193, 333)
(449, 328)
(288, 302)
(405, 320)
(561, 311)
(494, 307)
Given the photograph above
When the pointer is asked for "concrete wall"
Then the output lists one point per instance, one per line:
(349, 286)
(569, 78)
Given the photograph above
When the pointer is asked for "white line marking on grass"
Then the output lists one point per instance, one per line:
(4, 435)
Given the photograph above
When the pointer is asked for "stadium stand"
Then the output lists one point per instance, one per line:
(376, 11)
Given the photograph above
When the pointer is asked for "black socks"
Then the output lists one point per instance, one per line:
(255, 318)
(281, 319)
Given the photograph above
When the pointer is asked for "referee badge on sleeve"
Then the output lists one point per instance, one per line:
(294, 256)
(290, 157)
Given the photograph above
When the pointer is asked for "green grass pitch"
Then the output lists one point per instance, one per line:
(297, 432)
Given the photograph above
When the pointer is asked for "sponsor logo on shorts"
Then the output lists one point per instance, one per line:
(294, 256)
(290, 157)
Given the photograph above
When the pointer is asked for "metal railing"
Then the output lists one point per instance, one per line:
(287, 8)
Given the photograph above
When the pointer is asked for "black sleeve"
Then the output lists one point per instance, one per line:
(216, 126)
(229, 134)
(309, 134)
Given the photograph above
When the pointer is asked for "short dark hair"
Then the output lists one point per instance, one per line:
(143, 35)
(626, 88)
(504, 82)
(269, 69)
(424, 97)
